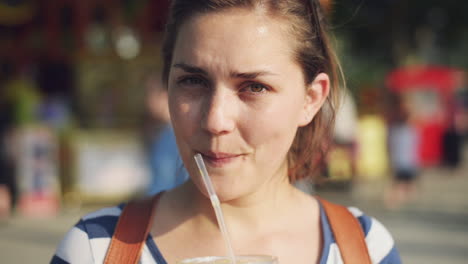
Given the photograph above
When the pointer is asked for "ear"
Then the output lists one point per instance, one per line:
(316, 94)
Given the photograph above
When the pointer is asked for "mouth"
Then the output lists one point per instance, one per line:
(219, 159)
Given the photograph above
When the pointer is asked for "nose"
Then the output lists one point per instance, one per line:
(218, 117)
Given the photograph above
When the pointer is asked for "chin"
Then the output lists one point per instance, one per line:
(228, 193)
(225, 192)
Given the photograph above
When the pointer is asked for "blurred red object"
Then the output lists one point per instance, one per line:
(440, 78)
(430, 151)
(436, 86)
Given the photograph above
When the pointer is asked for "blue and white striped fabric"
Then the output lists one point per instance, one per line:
(87, 241)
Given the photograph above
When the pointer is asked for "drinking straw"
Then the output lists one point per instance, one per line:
(216, 205)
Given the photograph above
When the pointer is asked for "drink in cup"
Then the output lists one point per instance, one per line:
(258, 259)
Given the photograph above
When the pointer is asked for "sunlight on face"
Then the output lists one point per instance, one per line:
(237, 97)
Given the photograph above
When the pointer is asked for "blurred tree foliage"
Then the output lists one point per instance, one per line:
(376, 36)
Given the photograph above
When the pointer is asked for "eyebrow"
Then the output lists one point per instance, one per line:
(250, 75)
(190, 68)
(241, 75)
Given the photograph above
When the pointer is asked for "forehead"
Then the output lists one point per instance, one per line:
(235, 36)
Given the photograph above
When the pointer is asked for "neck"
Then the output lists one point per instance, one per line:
(271, 201)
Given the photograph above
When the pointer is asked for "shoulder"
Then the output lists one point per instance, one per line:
(380, 242)
(101, 223)
(89, 239)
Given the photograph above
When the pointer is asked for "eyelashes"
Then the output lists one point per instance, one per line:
(255, 88)
(192, 81)
(198, 82)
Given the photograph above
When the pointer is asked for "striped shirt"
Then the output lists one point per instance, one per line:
(88, 240)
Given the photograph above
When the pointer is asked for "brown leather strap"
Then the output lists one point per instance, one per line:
(131, 231)
(348, 234)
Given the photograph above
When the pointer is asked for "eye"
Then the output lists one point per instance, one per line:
(255, 88)
(192, 81)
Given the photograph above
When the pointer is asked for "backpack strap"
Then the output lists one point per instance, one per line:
(131, 231)
(348, 233)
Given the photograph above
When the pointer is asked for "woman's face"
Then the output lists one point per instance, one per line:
(237, 97)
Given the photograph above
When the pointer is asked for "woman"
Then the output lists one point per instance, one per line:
(247, 81)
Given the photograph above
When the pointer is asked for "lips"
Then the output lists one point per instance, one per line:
(219, 159)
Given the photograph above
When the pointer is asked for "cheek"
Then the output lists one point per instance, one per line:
(179, 113)
(184, 122)
(182, 112)
(273, 129)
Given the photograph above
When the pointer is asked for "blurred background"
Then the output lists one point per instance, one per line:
(83, 120)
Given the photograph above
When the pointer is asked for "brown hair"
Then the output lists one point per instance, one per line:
(313, 53)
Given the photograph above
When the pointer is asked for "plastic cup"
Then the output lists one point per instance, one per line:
(257, 259)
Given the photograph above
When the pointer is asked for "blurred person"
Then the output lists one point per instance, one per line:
(460, 98)
(19, 101)
(7, 175)
(247, 81)
(166, 167)
(457, 127)
(342, 165)
(32, 145)
(372, 152)
(461, 113)
(403, 145)
(346, 120)
(371, 135)
(451, 145)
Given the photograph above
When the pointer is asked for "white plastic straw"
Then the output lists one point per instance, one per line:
(216, 205)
